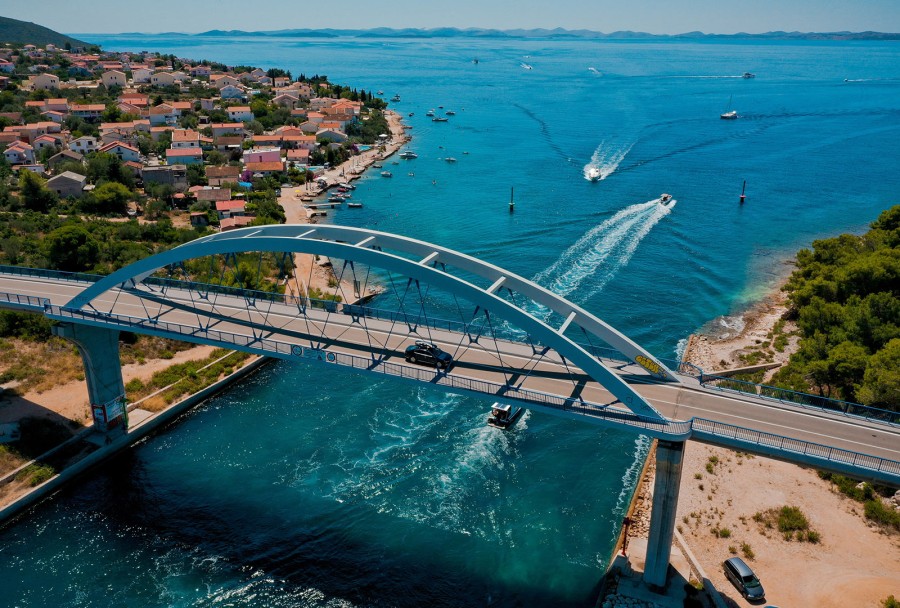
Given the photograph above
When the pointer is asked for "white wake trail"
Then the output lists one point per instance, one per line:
(604, 161)
(602, 251)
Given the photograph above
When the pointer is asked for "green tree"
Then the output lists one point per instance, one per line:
(881, 381)
(108, 199)
(34, 192)
(72, 248)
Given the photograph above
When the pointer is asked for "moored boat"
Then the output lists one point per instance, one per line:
(396, 97)
(387, 174)
(355, 205)
(729, 115)
(440, 119)
(408, 154)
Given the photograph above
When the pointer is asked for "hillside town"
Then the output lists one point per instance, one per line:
(118, 134)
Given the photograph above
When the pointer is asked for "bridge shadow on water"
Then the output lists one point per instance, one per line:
(306, 547)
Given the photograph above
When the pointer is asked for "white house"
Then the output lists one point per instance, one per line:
(19, 153)
(141, 75)
(239, 113)
(232, 92)
(123, 151)
(162, 79)
(113, 78)
(44, 82)
(83, 144)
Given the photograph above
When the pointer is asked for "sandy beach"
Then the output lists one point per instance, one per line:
(855, 564)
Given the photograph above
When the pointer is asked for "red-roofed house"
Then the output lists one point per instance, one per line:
(230, 208)
(185, 156)
(185, 138)
(19, 153)
(233, 223)
(222, 128)
(266, 168)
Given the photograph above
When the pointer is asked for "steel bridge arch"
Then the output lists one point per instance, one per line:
(427, 263)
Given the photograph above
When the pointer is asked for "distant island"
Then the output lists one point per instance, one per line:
(557, 33)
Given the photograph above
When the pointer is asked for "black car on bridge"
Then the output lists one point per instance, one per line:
(426, 353)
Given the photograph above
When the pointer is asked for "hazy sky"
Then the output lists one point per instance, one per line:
(654, 16)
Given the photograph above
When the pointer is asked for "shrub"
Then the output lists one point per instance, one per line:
(791, 519)
(709, 468)
(724, 533)
(876, 511)
(813, 537)
(890, 602)
(36, 474)
(747, 551)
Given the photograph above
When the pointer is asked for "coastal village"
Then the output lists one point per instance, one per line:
(193, 136)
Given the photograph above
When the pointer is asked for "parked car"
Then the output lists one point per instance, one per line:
(743, 578)
(426, 353)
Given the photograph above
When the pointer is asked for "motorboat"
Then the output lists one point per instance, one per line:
(593, 174)
(748, 75)
(377, 165)
(381, 92)
(440, 119)
(429, 113)
(347, 186)
(450, 159)
(387, 174)
(408, 154)
(450, 113)
(525, 66)
(411, 114)
(396, 97)
(665, 199)
(336, 199)
(503, 416)
(355, 205)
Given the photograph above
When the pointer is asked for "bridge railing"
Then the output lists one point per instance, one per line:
(60, 275)
(699, 428)
(801, 399)
(29, 301)
(703, 428)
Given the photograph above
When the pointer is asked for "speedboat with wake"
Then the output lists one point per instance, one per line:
(666, 200)
(593, 174)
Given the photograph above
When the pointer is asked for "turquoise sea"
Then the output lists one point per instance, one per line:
(302, 487)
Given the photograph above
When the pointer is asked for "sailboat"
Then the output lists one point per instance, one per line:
(729, 114)
(512, 204)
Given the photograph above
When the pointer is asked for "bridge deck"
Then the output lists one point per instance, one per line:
(498, 367)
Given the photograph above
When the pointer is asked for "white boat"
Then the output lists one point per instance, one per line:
(408, 154)
(347, 185)
(429, 113)
(387, 174)
(729, 114)
(503, 416)
(665, 200)
(381, 92)
(526, 66)
(450, 113)
(450, 159)
(593, 174)
(440, 119)
(396, 97)
(355, 205)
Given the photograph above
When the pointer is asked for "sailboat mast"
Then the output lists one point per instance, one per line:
(512, 204)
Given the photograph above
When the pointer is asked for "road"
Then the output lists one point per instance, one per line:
(495, 361)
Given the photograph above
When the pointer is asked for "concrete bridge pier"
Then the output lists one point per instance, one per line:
(99, 350)
(669, 458)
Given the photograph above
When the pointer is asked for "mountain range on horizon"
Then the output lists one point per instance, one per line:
(559, 33)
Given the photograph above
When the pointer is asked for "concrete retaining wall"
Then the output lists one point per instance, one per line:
(135, 434)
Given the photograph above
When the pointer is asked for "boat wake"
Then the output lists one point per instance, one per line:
(604, 161)
(598, 255)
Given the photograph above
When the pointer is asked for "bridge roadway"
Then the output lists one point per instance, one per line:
(496, 361)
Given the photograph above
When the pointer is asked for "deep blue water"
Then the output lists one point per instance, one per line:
(307, 487)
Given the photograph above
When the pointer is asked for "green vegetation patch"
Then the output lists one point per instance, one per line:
(870, 496)
(845, 297)
(790, 521)
(36, 474)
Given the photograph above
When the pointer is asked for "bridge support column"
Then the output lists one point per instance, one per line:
(99, 350)
(669, 458)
